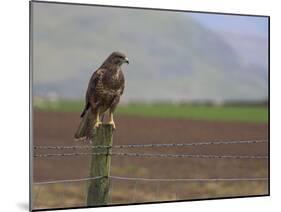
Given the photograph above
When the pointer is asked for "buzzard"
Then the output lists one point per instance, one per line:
(103, 94)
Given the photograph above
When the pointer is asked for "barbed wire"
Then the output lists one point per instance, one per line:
(72, 147)
(153, 145)
(154, 179)
(71, 154)
(151, 155)
(189, 144)
(190, 156)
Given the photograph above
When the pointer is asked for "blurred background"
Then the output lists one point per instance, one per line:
(177, 56)
(192, 77)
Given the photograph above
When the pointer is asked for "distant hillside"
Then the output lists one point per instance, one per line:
(172, 57)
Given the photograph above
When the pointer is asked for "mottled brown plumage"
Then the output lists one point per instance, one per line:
(103, 94)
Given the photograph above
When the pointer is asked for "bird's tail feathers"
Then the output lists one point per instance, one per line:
(84, 130)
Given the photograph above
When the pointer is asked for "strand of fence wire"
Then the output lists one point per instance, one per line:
(190, 156)
(72, 147)
(68, 181)
(70, 154)
(152, 145)
(188, 179)
(154, 155)
(155, 179)
(189, 144)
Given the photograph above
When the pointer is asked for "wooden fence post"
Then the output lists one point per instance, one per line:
(98, 189)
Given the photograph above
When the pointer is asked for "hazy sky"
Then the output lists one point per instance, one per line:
(248, 35)
(247, 25)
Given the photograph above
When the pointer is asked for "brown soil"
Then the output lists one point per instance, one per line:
(54, 128)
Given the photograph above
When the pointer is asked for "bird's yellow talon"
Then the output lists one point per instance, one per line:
(113, 124)
(97, 124)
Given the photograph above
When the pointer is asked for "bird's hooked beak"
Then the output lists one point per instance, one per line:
(126, 60)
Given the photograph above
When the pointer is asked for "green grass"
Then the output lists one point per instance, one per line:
(60, 106)
(184, 111)
(252, 114)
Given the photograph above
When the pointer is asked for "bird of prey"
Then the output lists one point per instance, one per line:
(103, 94)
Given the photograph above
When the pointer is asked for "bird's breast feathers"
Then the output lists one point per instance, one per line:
(113, 81)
